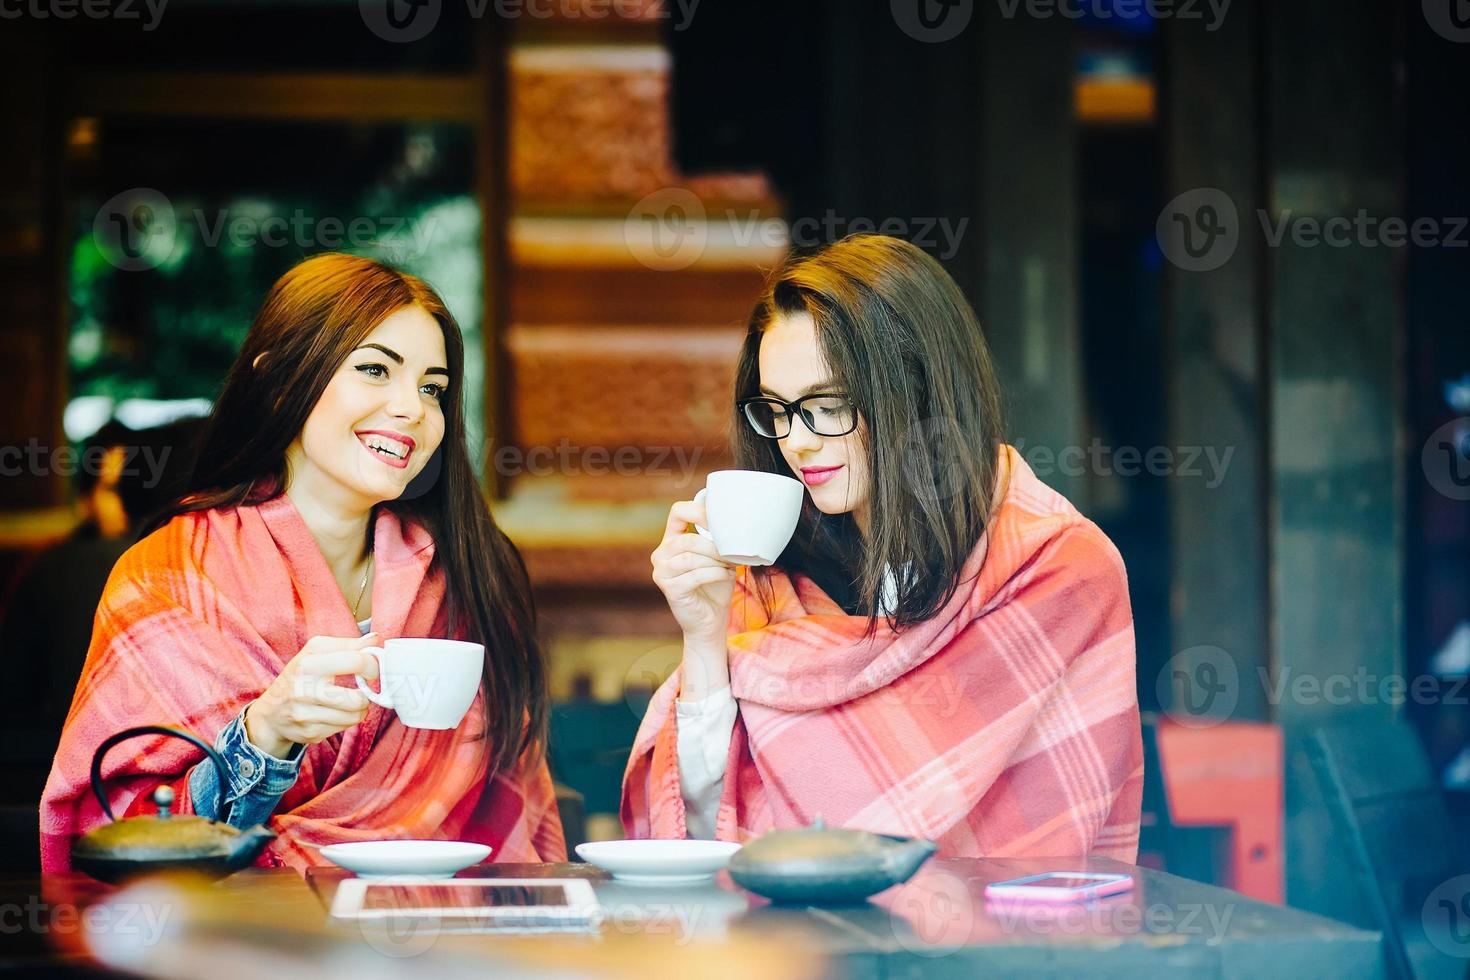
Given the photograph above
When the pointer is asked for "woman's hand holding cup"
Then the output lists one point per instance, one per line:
(304, 704)
(698, 585)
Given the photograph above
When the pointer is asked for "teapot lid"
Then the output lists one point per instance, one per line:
(816, 843)
(158, 838)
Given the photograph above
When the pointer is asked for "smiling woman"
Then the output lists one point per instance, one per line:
(334, 494)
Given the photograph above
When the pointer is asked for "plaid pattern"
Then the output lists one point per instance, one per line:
(198, 619)
(1005, 726)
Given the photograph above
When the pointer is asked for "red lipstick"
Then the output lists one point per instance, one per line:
(815, 476)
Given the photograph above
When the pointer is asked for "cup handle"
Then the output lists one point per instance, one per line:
(699, 499)
(373, 696)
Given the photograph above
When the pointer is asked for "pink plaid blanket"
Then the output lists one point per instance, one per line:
(1005, 726)
(199, 617)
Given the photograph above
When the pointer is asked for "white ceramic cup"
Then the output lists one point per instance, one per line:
(751, 514)
(430, 683)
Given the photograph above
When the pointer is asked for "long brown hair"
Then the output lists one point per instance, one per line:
(312, 319)
(902, 342)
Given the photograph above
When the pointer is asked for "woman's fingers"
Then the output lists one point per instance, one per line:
(342, 698)
(303, 715)
(698, 578)
(683, 514)
(328, 644)
(692, 543)
(338, 662)
(687, 561)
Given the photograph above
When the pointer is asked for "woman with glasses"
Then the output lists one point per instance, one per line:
(945, 648)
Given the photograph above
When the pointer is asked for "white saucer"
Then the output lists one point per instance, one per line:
(659, 862)
(424, 858)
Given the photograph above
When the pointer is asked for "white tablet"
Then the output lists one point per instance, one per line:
(471, 904)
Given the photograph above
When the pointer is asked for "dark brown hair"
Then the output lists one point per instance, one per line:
(312, 319)
(902, 342)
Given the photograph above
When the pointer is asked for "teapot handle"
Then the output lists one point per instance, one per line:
(127, 733)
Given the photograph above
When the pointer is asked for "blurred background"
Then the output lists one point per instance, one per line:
(1220, 251)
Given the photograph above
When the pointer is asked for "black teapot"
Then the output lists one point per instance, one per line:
(821, 865)
(143, 845)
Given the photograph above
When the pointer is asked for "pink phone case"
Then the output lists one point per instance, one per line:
(1016, 890)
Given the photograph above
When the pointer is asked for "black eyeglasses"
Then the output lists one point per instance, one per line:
(825, 415)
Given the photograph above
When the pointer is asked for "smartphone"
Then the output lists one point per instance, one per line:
(1058, 886)
(471, 904)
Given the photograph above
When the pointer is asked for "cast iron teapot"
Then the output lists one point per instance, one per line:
(821, 865)
(144, 845)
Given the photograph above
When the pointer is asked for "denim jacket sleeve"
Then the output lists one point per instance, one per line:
(257, 778)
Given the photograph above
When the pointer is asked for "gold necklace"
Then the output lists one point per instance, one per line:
(363, 588)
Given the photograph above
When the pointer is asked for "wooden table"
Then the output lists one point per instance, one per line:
(272, 922)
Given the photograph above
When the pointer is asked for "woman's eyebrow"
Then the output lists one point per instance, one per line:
(808, 390)
(398, 358)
